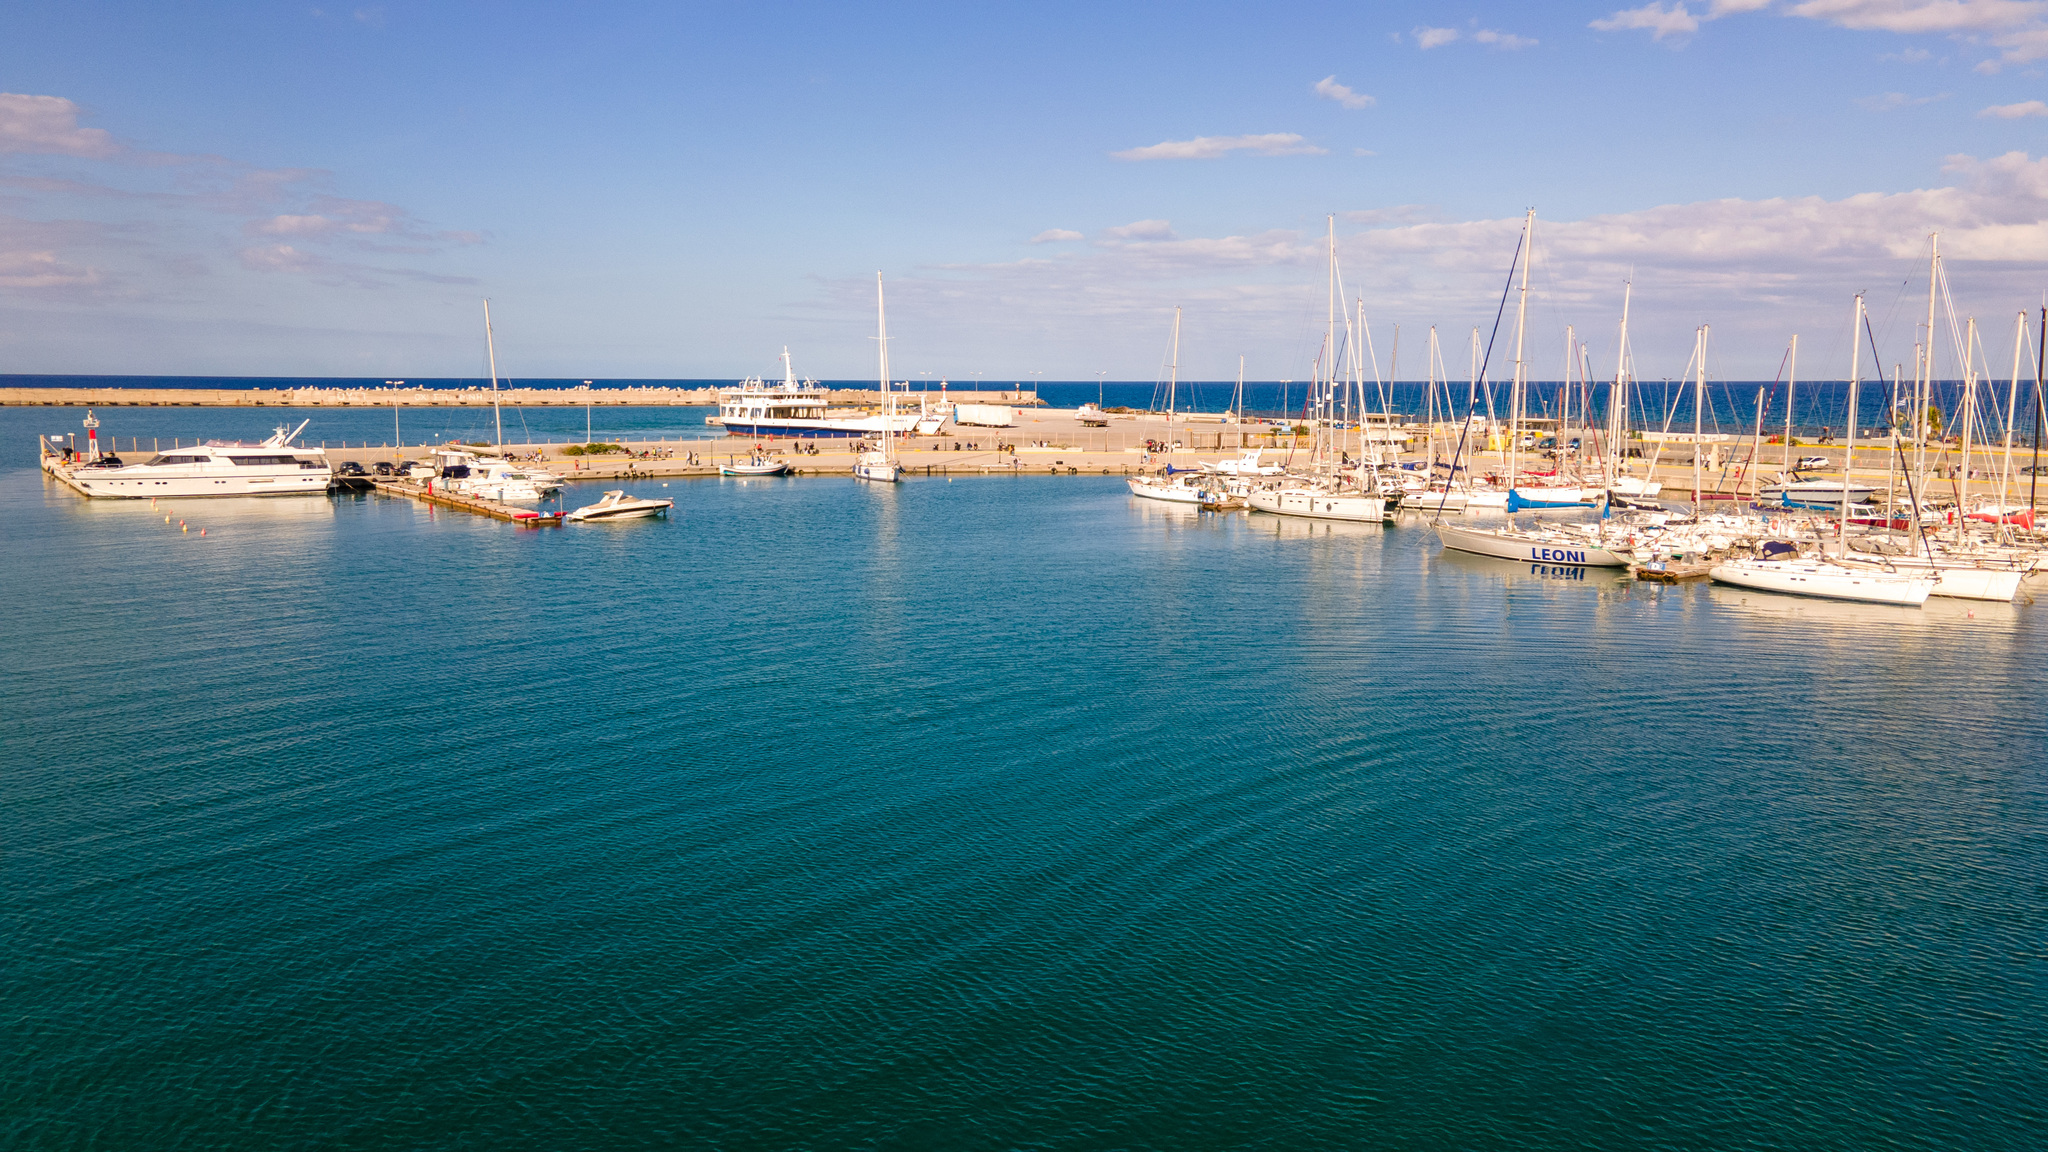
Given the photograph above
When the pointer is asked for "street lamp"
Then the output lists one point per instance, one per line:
(396, 441)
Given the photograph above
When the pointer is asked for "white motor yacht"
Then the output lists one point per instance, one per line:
(616, 505)
(1246, 464)
(217, 468)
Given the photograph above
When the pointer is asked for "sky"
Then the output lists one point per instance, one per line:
(684, 190)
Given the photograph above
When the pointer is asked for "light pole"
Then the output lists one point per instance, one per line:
(586, 414)
(397, 444)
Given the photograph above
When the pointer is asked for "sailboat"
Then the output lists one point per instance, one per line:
(880, 463)
(1323, 495)
(1820, 577)
(1181, 489)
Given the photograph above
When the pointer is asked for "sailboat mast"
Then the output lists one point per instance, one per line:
(1849, 456)
(1791, 382)
(1699, 395)
(888, 396)
(1617, 400)
(491, 347)
(1324, 391)
(1172, 384)
(1923, 389)
(1969, 411)
(1521, 330)
(2012, 413)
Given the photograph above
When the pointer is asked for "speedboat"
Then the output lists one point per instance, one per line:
(1246, 464)
(217, 468)
(1799, 491)
(616, 505)
(1826, 580)
(755, 466)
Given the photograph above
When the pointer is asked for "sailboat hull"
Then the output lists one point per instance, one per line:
(879, 473)
(1318, 505)
(1508, 545)
(1825, 581)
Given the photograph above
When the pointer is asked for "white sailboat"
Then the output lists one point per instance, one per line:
(1323, 496)
(880, 463)
(1182, 489)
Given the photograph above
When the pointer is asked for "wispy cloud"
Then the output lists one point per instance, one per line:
(1056, 236)
(1660, 21)
(2017, 28)
(1212, 147)
(1506, 41)
(1427, 38)
(92, 217)
(1329, 89)
(1893, 101)
(2020, 111)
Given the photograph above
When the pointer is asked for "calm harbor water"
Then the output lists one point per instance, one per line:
(1002, 813)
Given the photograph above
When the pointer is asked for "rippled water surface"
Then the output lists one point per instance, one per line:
(1000, 813)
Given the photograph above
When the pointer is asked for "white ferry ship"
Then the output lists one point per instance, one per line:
(798, 408)
(217, 468)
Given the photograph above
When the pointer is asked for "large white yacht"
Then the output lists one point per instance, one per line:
(798, 408)
(275, 467)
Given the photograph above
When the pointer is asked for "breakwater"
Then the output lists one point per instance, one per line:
(639, 396)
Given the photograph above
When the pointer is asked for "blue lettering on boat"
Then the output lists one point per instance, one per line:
(1561, 555)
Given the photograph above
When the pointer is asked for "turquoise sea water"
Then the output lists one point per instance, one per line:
(1001, 813)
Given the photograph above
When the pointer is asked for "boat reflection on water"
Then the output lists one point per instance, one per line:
(1937, 613)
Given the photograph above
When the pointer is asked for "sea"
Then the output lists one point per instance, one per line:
(985, 813)
(1819, 409)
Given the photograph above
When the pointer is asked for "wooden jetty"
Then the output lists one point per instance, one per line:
(525, 517)
(1672, 571)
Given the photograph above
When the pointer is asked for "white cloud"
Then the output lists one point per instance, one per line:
(1056, 236)
(1720, 8)
(43, 270)
(1507, 41)
(1141, 230)
(1211, 147)
(1660, 22)
(1892, 101)
(49, 124)
(1427, 38)
(1757, 269)
(2018, 111)
(1923, 15)
(1329, 89)
(1908, 56)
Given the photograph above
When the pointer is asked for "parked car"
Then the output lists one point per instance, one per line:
(349, 468)
(1811, 462)
(382, 468)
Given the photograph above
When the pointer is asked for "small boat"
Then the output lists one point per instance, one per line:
(1826, 580)
(1804, 492)
(1447, 500)
(756, 465)
(1181, 489)
(1525, 497)
(616, 505)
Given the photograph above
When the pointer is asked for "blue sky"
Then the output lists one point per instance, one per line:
(680, 191)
